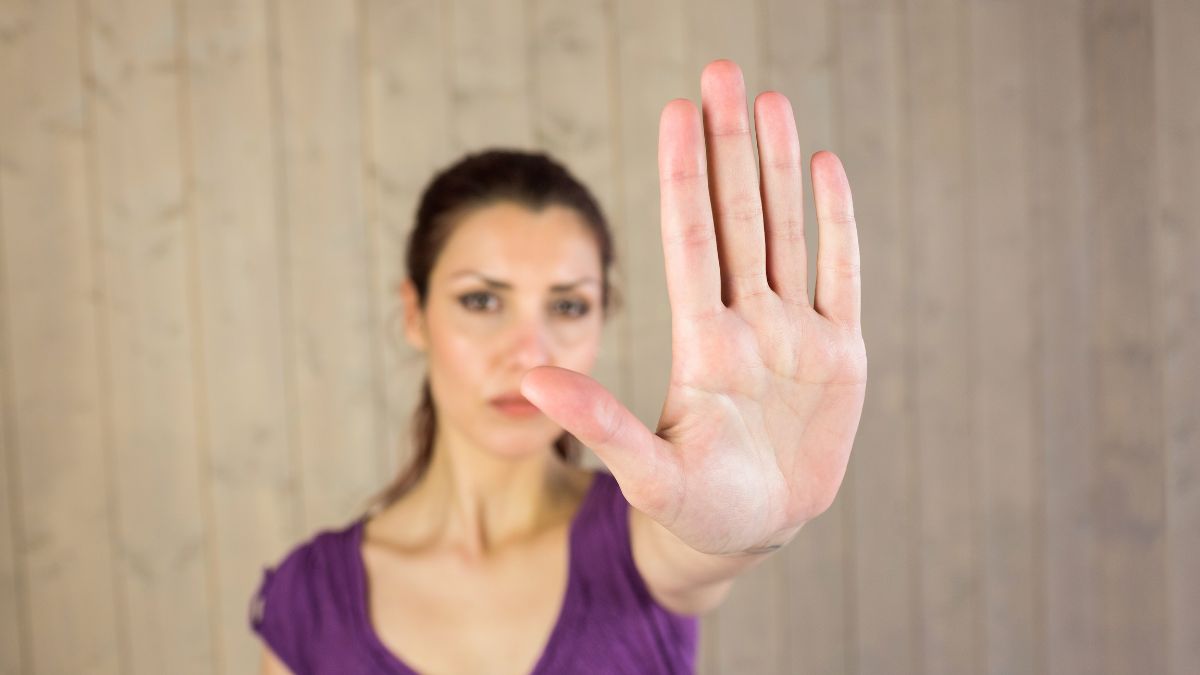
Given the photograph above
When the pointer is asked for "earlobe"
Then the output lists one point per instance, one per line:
(414, 328)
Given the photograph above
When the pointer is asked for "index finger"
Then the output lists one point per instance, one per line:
(688, 235)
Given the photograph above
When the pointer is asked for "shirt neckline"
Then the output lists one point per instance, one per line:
(392, 660)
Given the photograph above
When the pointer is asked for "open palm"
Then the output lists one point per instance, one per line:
(766, 388)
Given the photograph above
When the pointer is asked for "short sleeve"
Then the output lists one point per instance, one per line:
(282, 611)
(616, 512)
(633, 631)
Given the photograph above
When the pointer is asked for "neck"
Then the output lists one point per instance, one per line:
(475, 502)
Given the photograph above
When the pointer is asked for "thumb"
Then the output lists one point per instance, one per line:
(642, 462)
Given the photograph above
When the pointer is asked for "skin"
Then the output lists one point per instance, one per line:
(765, 394)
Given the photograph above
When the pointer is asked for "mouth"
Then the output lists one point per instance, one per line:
(515, 406)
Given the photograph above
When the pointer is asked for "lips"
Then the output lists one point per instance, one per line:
(515, 405)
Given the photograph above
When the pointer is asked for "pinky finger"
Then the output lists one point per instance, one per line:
(839, 284)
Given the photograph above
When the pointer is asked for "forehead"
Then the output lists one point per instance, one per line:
(509, 241)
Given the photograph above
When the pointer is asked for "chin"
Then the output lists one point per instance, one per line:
(515, 444)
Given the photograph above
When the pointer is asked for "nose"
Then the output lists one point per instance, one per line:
(531, 344)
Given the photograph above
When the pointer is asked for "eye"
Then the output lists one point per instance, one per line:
(469, 300)
(580, 308)
(483, 301)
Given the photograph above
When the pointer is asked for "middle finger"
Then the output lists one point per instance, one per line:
(733, 182)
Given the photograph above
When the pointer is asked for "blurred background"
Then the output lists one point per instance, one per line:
(203, 207)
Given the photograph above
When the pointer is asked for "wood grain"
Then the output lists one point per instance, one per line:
(1127, 401)
(881, 492)
(57, 366)
(1176, 248)
(1003, 277)
(203, 216)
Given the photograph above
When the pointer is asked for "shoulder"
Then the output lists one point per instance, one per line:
(293, 595)
(615, 534)
(300, 571)
(625, 616)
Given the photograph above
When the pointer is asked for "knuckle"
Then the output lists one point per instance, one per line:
(743, 210)
(847, 269)
(788, 229)
(692, 235)
(616, 421)
(840, 217)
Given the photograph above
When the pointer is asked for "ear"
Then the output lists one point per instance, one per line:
(414, 317)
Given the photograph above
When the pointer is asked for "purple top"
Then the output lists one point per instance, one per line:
(311, 608)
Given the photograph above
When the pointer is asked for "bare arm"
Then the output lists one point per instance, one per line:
(271, 665)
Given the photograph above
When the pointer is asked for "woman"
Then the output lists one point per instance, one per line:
(495, 552)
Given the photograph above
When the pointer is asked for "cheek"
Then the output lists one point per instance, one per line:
(456, 368)
(459, 359)
(577, 335)
(581, 345)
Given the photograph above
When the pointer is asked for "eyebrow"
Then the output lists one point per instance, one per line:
(495, 283)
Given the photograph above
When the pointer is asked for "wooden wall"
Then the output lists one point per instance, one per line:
(203, 206)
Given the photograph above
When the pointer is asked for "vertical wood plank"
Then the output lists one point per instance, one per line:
(12, 606)
(12, 622)
(573, 101)
(938, 208)
(55, 384)
(409, 119)
(800, 58)
(1177, 238)
(490, 57)
(650, 70)
(1127, 401)
(1002, 360)
(145, 256)
(1058, 170)
(885, 525)
(252, 489)
(335, 360)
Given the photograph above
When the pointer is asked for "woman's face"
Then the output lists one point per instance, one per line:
(512, 290)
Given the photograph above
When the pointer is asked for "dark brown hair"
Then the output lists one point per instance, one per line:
(531, 179)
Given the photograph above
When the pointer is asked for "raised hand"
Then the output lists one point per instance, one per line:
(766, 388)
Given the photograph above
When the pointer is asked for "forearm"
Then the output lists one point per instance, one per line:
(686, 580)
